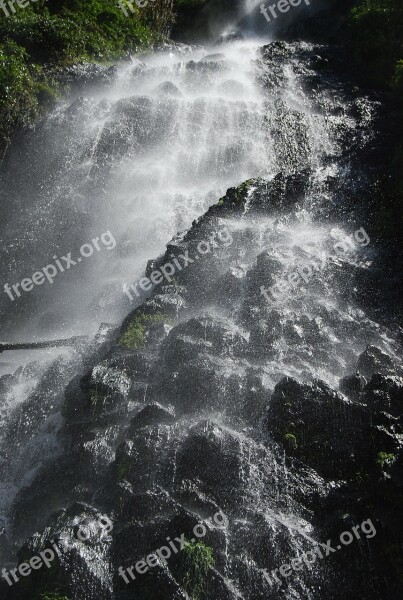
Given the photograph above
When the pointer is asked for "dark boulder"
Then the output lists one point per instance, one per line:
(373, 360)
(384, 393)
(213, 455)
(352, 385)
(152, 414)
(320, 427)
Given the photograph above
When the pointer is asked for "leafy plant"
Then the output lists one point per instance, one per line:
(64, 32)
(384, 459)
(196, 560)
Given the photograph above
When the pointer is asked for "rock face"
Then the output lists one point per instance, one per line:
(189, 412)
(217, 396)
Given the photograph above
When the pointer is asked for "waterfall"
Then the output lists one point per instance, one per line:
(173, 421)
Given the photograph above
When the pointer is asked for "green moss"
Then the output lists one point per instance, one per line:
(124, 468)
(135, 335)
(243, 189)
(291, 440)
(196, 560)
(96, 398)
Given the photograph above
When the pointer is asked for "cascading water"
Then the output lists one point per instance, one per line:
(142, 159)
(142, 156)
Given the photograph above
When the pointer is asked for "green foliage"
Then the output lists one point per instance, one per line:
(196, 560)
(23, 89)
(376, 40)
(68, 31)
(62, 32)
(376, 43)
(384, 459)
(135, 335)
(52, 596)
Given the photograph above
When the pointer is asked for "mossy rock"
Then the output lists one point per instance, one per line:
(123, 467)
(135, 335)
(237, 196)
(97, 399)
(290, 440)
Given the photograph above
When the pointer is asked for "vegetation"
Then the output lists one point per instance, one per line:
(376, 42)
(196, 560)
(64, 32)
(123, 467)
(291, 440)
(384, 459)
(96, 398)
(134, 336)
(52, 596)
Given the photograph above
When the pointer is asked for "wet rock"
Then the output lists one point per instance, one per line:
(152, 414)
(293, 333)
(212, 454)
(373, 360)
(203, 334)
(193, 386)
(276, 50)
(168, 88)
(265, 273)
(75, 406)
(136, 364)
(82, 537)
(384, 393)
(320, 427)
(230, 286)
(256, 398)
(6, 383)
(183, 348)
(156, 584)
(83, 76)
(352, 385)
(213, 57)
(264, 334)
(229, 37)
